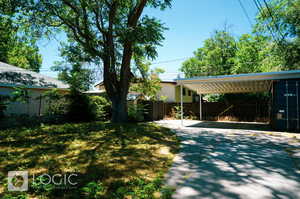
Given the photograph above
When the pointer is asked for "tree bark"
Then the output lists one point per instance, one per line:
(117, 88)
(119, 110)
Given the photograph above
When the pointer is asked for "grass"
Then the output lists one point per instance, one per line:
(110, 161)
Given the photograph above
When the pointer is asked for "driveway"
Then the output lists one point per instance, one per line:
(217, 163)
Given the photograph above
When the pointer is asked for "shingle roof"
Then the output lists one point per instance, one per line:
(14, 76)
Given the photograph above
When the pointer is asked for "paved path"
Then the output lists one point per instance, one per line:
(227, 163)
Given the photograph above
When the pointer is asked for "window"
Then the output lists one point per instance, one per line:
(183, 91)
(190, 93)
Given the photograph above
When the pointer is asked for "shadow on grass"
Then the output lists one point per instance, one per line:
(99, 152)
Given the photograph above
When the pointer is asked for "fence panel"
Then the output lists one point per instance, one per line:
(249, 111)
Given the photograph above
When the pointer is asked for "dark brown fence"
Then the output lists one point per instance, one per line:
(247, 111)
(154, 110)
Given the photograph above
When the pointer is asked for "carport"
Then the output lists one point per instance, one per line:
(250, 83)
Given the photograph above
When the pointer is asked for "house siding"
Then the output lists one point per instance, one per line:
(186, 98)
(34, 107)
(167, 90)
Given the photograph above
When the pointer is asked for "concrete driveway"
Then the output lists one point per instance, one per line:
(217, 163)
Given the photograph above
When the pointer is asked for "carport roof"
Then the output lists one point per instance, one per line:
(241, 83)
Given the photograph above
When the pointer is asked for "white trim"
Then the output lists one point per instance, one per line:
(292, 74)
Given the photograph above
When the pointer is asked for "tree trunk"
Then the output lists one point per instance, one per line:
(119, 110)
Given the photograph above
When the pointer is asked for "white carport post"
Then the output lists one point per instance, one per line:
(200, 107)
(181, 103)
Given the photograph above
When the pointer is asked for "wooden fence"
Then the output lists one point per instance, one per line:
(247, 111)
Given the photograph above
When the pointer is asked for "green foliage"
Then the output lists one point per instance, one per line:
(147, 83)
(79, 108)
(261, 51)
(16, 47)
(176, 112)
(3, 104)
(56, 101)
(140, 188)
(40, 185)
(215, 58)
(282, 16)
(214, 97)
(92, 190)
(258, 54)
(109, 33)
(72, 70)
(223, 54)
(101, 107)
(20, 94)
(136, 112)
(15, 196)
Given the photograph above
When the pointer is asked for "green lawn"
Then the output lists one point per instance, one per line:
(110, 161)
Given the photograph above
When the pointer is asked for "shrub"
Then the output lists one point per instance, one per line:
(3, 104)
(92, 190)
(176, 112)
(140, 188)
(40, 185)
(79, 108)
(101, 107)
(15, 196)
(136, 112)
(56, 101)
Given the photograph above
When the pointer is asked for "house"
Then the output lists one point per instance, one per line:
(170, 91)
(36, 84)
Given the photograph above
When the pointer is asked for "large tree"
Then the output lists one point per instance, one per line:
(216, 57)
(281, 20)
(256, 53)
(111, 31)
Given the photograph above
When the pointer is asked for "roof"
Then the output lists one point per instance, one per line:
(94, 92)
(241, 83)
(11, 76)
(162, 81)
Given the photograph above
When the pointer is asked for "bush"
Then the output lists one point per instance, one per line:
(79, 108)
(136, 112)
(176, 112)
(57, 103)
(3, 101)
(93, 190)
(101, 107)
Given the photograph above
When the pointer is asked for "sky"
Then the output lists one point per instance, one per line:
(189, 23)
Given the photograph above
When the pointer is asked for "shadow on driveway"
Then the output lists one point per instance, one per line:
(217, 164)
(233, 125)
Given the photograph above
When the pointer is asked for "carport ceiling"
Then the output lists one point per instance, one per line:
(242, 83)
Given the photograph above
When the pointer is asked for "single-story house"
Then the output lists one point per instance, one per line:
(36, 84)
(170, 90)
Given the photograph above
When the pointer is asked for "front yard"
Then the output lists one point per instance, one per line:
(108, 161)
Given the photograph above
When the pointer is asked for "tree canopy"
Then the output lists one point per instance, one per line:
(274, 45)
(214, 58)
(17, 46)
(146, 81)
(281, 20)
(74, 69)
